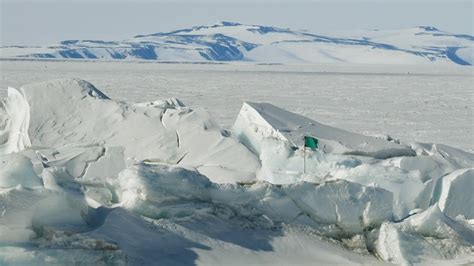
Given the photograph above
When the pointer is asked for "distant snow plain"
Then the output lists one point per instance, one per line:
(410, 103)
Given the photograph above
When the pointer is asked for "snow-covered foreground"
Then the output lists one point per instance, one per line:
(411, 103)
(85, 179)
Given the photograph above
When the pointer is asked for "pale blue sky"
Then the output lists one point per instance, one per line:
(35, 22)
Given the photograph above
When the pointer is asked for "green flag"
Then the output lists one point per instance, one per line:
(310, 142)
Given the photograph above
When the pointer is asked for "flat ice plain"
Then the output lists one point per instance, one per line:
(411, 103)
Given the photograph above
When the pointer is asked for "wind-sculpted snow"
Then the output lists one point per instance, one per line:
(230, 41)
(454, 193)
(16, 169)
(428, 237)
(162, 131)
(257, 121)
(112, 183)
(14, 120)
(155, 190)
(409, 171)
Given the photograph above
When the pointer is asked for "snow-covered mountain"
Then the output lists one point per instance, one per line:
(229, 41)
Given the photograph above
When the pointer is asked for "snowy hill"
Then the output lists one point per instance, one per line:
(229, 41)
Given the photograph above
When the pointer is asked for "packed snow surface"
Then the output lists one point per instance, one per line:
(405, 102)
(85, 179)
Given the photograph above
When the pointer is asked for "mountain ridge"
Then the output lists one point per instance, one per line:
(232, 41)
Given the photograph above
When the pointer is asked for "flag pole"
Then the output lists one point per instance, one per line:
(304, 156)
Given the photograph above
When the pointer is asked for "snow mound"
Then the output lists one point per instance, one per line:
(14, 121)
(149, 189)
(257, 121)
(162, 131)
(409, 171)
(146, 187)
(454, 194)
(350, 206)
(16, 169)
(428, 237)
(25, 212)
(457, 158)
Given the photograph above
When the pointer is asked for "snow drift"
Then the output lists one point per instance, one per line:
(150, 190)
(434, 236)
(14, 121)
(86, 179)
(164, 131)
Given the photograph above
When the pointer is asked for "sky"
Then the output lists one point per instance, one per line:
(39, 22)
